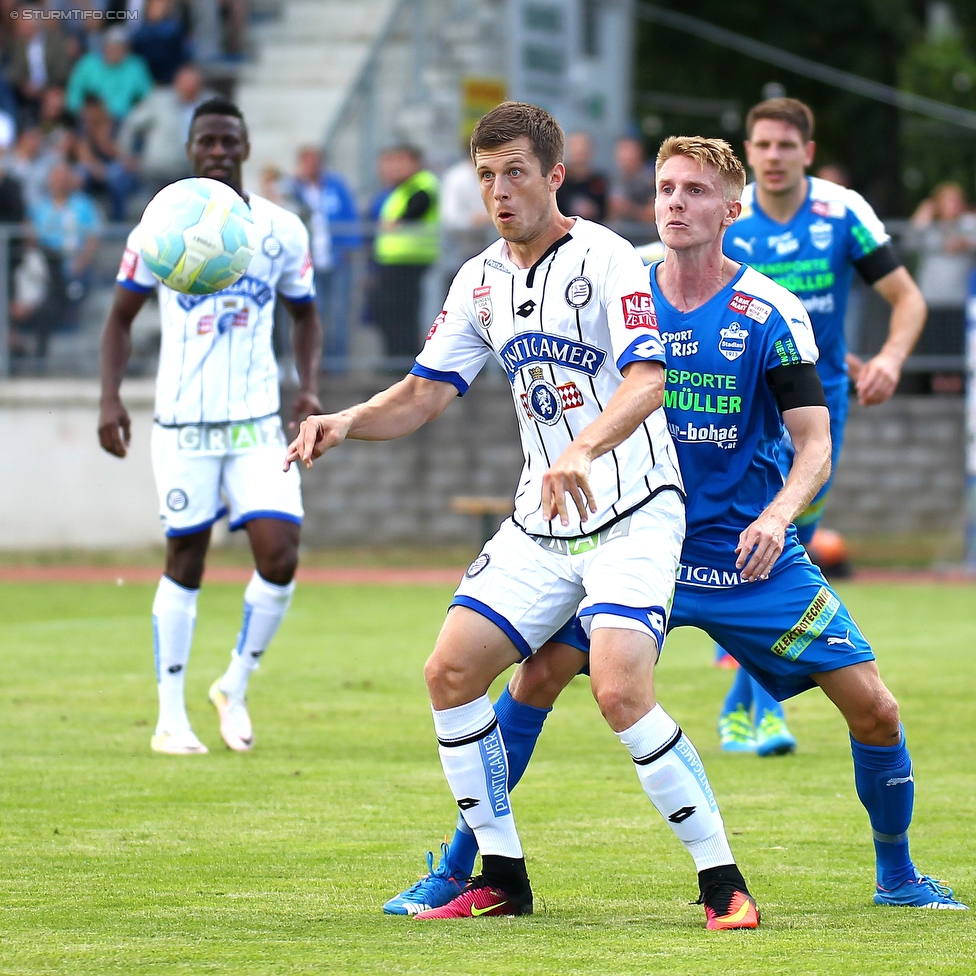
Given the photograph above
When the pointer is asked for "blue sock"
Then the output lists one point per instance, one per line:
(886, 787)
(521, 726)
(764, 702)
(740, 693)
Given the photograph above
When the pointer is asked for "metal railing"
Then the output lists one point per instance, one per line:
(66, 342)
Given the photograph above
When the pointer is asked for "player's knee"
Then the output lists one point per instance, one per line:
(446, 680)
(878, 722)
(621, 702)
(538, 680)
(278, 567)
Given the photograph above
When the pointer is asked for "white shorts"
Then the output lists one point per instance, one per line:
(205, 472)
(530, 586)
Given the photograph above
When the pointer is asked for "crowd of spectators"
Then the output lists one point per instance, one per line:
(95, 102)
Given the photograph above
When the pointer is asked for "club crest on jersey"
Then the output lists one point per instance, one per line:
(569, 392)
(234, 314)
(482, 305)
(732, 343)
(271, 246)
(542, 399)
(579, 292)
(639, 311)
(821, 234)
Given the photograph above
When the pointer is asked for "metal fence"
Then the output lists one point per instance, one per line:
(51, 321)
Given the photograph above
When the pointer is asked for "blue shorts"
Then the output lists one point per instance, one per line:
(838, 402)
(781, 630)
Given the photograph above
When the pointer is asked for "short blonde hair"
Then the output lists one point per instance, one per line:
(716, 152)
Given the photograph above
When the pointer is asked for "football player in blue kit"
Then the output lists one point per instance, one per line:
(809, 235)
(740, 368)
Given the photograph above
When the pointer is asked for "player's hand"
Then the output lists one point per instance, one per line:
(304, 405)
(760, 545)
(877, 380)
(315, 436)
(854, 366)
(114, 428)
(569, 475)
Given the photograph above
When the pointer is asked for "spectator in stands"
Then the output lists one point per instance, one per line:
(321, 191)
(68, 227)
(161, 40)
(406, 246)
(463, 215)
(105, 168)
(944, 234)
(30, 164)
(40, 54)
(632, 188)
(117, 77)
(160, 124)
(836, 173)
(584, 191)
(54, 118)
(274, 187)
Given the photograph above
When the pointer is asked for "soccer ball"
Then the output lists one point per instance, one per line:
(197, 236)
(828, 550)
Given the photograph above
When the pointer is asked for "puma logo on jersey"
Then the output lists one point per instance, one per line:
(746, 245)
(846, 639)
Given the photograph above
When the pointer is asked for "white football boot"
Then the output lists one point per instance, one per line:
(183, 743)
(235, 723)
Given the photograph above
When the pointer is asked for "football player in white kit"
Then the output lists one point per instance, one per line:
(563, 305)
(217, 442)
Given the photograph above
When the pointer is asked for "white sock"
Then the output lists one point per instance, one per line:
(265, 606)
(674, 779)
(174, 614)
(476, 766)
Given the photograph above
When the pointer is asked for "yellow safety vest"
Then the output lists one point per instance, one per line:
(414, 241)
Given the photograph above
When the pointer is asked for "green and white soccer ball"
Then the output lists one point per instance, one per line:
(197, 236)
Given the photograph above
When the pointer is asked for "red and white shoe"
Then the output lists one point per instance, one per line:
(730, 908)
(480, 899)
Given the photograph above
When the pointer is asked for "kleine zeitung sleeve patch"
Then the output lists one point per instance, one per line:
(639, 311)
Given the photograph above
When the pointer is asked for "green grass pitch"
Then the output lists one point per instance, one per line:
(115, 860)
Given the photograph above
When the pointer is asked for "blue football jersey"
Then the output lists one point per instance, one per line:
(723, 418)
(813, 256)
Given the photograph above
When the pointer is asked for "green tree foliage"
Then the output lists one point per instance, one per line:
(884, 40)
(933, 151)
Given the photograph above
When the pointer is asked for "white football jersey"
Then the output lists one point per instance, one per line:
(216, 359)
(562, 330)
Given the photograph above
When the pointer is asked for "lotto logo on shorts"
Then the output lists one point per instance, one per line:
(639, 311)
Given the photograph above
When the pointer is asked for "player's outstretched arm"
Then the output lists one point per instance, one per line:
(878, 377)
(397, 411)
(640, 394)
(761, 543)
(307, 343)
(114, 426)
